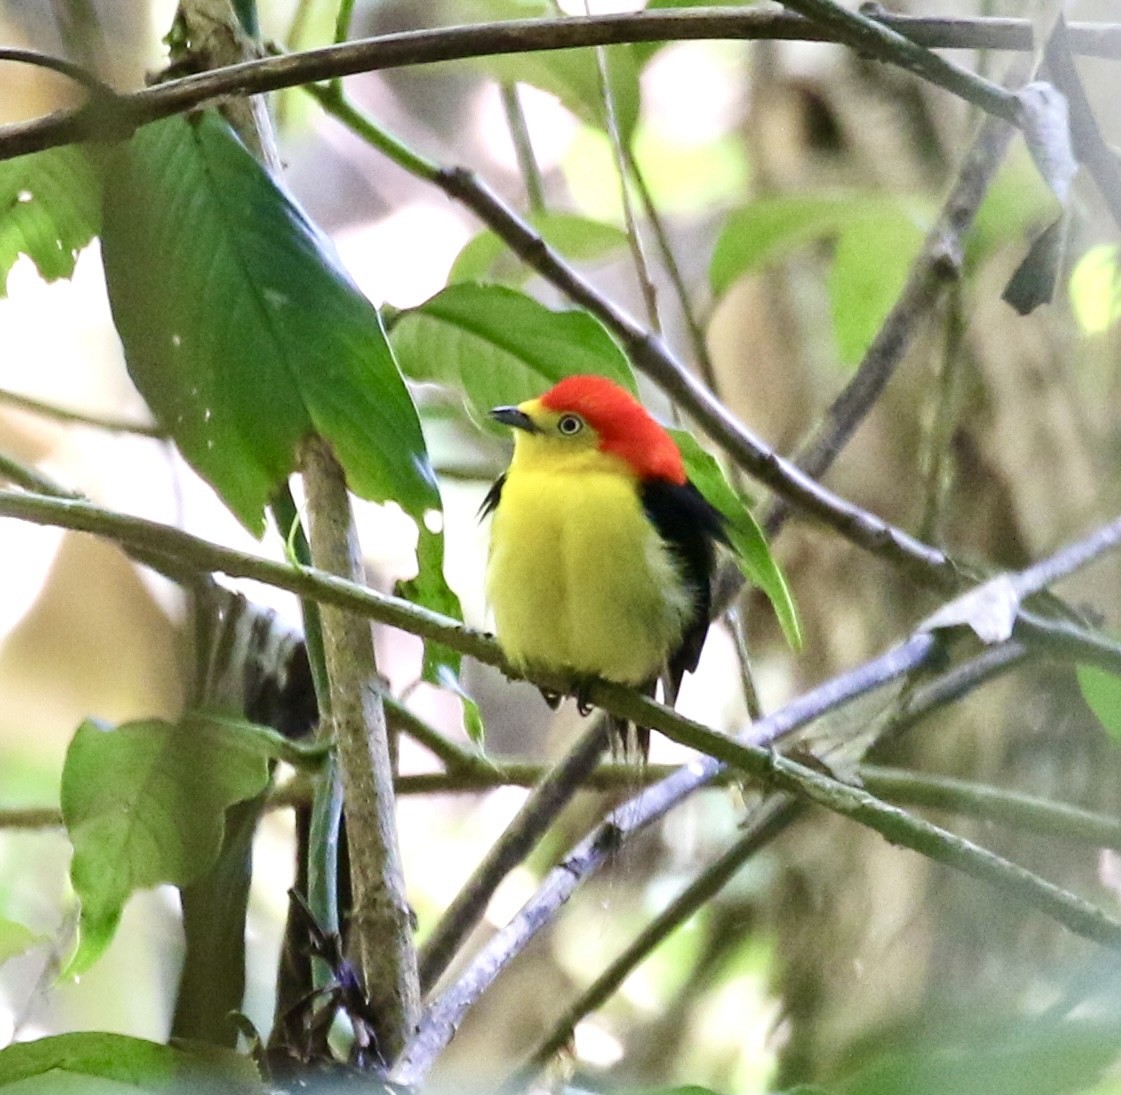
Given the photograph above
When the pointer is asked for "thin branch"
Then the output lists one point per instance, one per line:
(772, 819)
(537, 813)
(937, 267)
(871, 38)
(31, 479)
(444, 1015)
(79, 418)
(63, 67)
(1089, 145)
(523, 148)
(697, 341)
(1027, 813)
(456, 43)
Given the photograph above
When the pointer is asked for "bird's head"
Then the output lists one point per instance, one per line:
(589, 421)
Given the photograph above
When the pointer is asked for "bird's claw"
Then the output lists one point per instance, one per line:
(583, 705)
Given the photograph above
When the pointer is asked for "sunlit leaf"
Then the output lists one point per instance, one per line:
(753, 555)
(49, 210)
(1095, 289)
(15, 939)
(497, 346)
(242, 330)
(485, 258)
(145, 803)
(40, 1066)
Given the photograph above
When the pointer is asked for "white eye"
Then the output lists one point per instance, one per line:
(570, 425)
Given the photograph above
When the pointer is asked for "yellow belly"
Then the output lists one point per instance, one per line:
(578, 579)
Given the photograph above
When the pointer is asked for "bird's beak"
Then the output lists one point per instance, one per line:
(512, 416)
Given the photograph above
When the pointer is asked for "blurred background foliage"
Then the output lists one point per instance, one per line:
(831, 957)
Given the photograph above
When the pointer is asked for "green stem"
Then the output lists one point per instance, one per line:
(523, 148)
(327, 803)
(338, 106)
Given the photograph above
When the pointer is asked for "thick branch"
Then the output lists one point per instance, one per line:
(380, 936)
(456, 43)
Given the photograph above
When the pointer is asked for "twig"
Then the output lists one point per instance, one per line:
(937, 442)
(872, 38)
(61, 414)
(1024, 812)
(652, 357)
(31, 479)
(443, 1016)
(456, 43)
(1089, 145)
(772, 818)
(538, 812)
(523, 148)
(937, 266)
(697, 341)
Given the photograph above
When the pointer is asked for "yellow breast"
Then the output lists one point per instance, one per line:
(578, 578)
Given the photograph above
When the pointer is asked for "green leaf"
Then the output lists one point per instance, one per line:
(498, 346)
(1102, 692)
(772, 228)
(242, 330)
(572, 75)
(753, 556)
(487, 258)
(49, 210)
(15, 939)
(1095, 289)
(144, 804)
(877, 237)
(871, 262)
(131, 1063)
(430, 588)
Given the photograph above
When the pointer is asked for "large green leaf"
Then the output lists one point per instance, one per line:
(498, 346)
(123, 1063)
(145, 803)
(487, 258)
(242, 330)
(49, 210)
(753, 556)
(877, 237)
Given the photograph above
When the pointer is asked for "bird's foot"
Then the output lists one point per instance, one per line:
(553, 699)
(583, 704)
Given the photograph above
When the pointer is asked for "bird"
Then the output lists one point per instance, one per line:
(602, 551)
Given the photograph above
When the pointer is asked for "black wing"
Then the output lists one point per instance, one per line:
(490, 502)
(691, 528)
